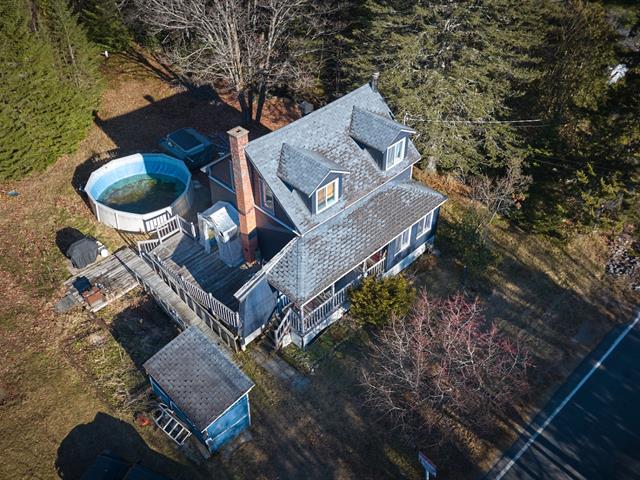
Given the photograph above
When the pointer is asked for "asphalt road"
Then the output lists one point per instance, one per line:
(596, 434)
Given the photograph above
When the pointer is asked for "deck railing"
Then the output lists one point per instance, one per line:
(166, 229)
(215, 306)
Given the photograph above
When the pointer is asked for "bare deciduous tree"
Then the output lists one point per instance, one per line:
(444, 360)
(249, 44)
(500, 194)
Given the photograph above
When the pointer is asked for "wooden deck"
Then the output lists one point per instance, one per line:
(187, 257)
(171, 302)
(111, 274)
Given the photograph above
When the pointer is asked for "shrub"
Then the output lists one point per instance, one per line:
(376, 301)
(467, 241)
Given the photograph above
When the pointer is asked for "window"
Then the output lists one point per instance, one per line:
(267, 196)
(326, 196)
(395, 153)
(403, 240)
(424, 225)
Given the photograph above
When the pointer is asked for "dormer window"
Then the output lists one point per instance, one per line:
(326, 196)
(395, 153)
(384, 138)
(266, 194)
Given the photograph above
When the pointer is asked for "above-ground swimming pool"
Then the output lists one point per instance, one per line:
(141, 191)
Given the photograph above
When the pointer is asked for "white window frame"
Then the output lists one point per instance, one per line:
(424, 225)
(336, 195)
(395, 153)
(402, 243)
(264, 188)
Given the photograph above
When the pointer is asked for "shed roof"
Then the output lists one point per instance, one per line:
(305, 169)
(327, 133)
(311, 262)
(375, 130)
(198, 377)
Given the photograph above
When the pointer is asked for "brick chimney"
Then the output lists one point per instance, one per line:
(238, 139)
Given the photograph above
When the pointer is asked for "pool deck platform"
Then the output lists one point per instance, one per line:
(111, 274)
(184, 255)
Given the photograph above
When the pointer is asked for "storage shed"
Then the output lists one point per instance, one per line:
(202, 392)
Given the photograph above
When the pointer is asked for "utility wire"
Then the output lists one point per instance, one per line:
(408, 116)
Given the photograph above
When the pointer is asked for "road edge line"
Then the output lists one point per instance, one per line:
(566, 400)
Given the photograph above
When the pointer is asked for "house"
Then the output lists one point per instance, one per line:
(201, 391)
(299, 216)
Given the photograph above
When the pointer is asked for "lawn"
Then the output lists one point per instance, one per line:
(69, 385)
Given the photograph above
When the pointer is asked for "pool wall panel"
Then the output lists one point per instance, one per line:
(137, 164)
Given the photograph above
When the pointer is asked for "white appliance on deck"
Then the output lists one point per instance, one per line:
(219, 227)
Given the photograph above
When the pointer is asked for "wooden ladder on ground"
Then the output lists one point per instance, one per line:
(165, 420)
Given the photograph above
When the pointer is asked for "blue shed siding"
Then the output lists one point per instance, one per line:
(222, 430)
(164, 398)
(229, 425)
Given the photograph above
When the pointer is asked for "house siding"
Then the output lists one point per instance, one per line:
(221, 171)
(271, 235)
(220, 193)
(394, 256)
(256, 307)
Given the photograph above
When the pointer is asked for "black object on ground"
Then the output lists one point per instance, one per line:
(82, 252)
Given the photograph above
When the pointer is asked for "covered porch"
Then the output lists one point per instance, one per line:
(308, 319)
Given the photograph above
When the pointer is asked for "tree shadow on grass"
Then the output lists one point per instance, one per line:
(142, 330)
(85, 442)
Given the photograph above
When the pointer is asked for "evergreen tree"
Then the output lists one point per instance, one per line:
(586, 164)
(104, 23)
(445, 63)
(43, 111)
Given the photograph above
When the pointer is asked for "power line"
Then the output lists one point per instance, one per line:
(513, 122)
(570, 165)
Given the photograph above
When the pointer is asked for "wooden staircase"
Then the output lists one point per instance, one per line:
(169, 424)
(278, 328)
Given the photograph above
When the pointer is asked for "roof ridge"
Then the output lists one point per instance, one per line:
(329, 106)
(314, 155)
(390, 121)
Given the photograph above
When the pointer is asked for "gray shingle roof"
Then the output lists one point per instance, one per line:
(305, 169)
(317, 259)
(326, 132)
(375, 130)
(197, 376)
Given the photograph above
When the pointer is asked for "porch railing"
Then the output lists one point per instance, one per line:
(302, 321)
(376, 269)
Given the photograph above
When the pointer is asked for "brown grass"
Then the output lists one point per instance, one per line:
(554, 295)
(48, 394)
(43, 396)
